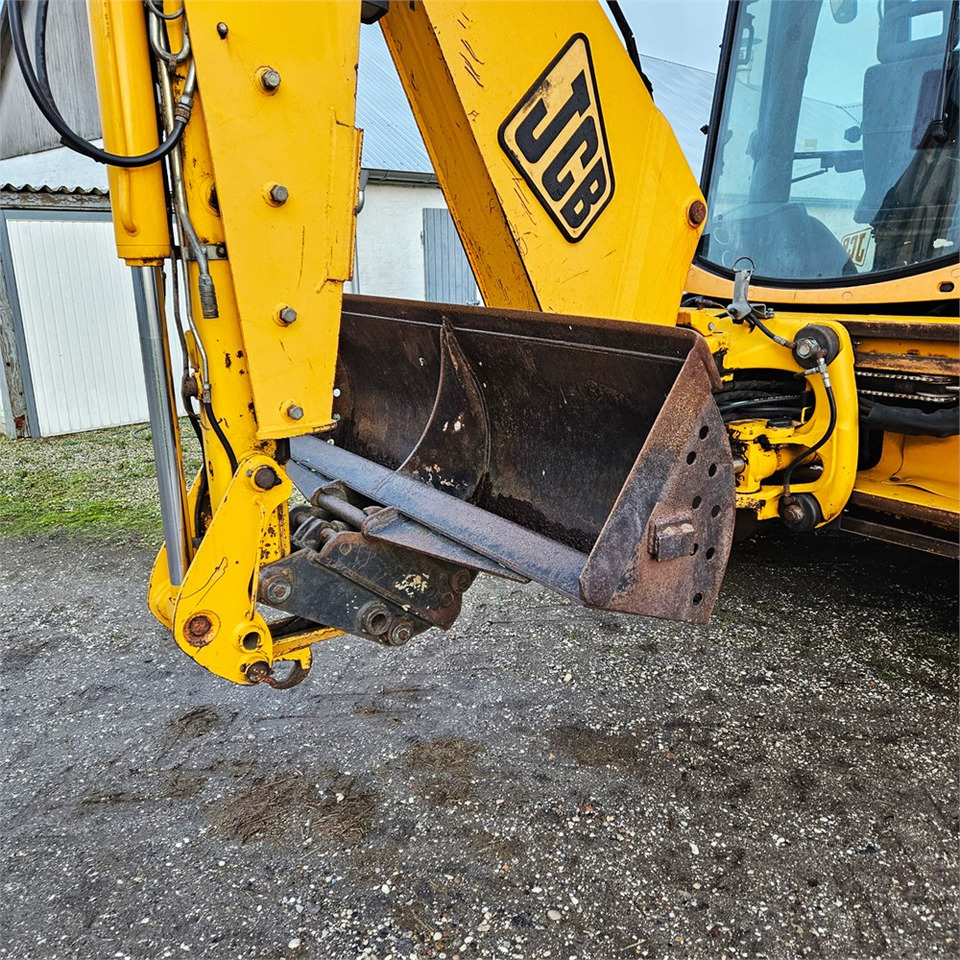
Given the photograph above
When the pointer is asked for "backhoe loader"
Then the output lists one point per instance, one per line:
(645, 372)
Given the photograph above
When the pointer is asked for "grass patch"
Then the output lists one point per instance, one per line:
(101, 483)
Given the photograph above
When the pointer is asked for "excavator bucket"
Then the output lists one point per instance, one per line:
(587, 455)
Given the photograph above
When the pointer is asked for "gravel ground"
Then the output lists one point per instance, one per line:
(541, 782)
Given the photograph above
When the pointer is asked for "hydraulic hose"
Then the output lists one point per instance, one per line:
(828, 433)
(221, 436)
(40, 51)
(47, 106)
(766, 331)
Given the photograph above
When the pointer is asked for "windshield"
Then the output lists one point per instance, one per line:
(836, 154)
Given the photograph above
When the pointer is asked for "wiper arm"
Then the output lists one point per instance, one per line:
(936, 132)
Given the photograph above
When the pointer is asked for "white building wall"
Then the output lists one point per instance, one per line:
(390, 239)
(79, 324)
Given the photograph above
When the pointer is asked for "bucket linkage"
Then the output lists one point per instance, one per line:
(586, 455)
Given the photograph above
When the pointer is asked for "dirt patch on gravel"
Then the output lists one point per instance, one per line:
(596, 748)
(196, 722)
(292, 807)
(438, 756)
(445, 770)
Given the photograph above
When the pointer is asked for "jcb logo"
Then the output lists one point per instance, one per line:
(556, 139)
(857, 244)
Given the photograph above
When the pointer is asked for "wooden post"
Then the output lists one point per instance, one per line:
(12, 396)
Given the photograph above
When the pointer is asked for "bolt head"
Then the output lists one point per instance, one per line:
(270, 79)
(294, 412)
(266, 478)
(222, 30)
(697, 212)
(198, 631)
(792, 514)
(279, 194)
(257, 672)
(278, 591)
(806, 348)
(287, 315)
(399, 633)
(199, 625)
(460, 580)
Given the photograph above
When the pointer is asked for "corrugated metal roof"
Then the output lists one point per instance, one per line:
(66, 191)
(57, 170)
(684, 96)
(391, 139)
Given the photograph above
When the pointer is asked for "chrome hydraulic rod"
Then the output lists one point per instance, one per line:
(161, 404)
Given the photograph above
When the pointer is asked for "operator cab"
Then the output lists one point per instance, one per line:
(832, 157)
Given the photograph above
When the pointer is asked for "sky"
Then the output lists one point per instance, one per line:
(685, 31)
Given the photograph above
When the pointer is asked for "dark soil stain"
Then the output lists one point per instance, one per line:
(592, 748)
(196, 722)
(21, 656)
(437, 756)
(447, 769)
(502, 848)
(293, 807)
(149, 788)
(181, 784)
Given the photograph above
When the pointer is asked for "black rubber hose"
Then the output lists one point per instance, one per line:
(791, 400)
(203, 500)
(696, 302)
(810, 451)
(69, 138)
(766, 331)
(40, 52)
(943, 422)
(221, 436)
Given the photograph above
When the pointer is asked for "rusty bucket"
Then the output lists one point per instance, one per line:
(587, 455)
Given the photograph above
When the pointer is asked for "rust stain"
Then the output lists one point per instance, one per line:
(198, 631)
